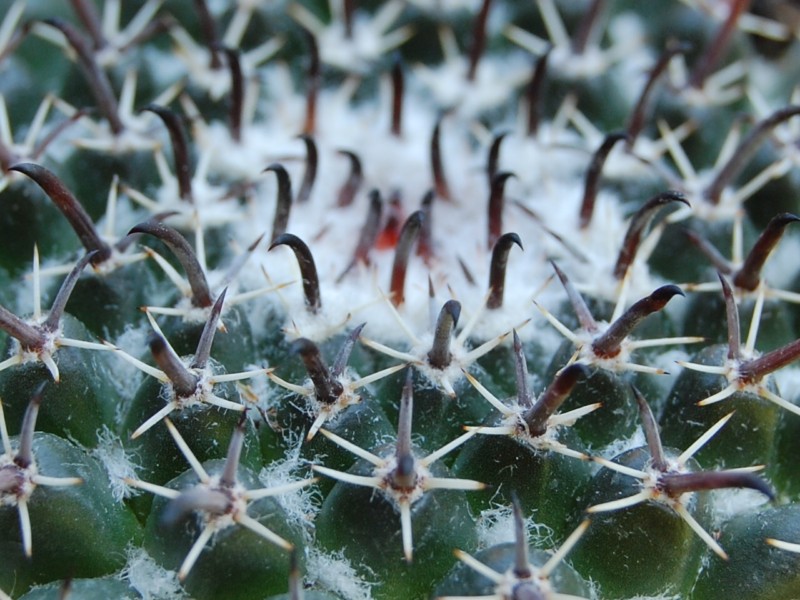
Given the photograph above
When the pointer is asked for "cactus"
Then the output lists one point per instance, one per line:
(402, 299)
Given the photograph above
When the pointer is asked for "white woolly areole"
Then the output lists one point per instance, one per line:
(617, 447)
(300, 505)
(496, 526)
(727, 503)
(334, 572)
(781, 268)
(117, 462)
(150, 579)
(788, 381)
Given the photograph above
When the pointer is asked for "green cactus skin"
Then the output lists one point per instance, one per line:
(339, 186)
(511, 467)
(364, 424)
(254, 567)
(439, 417)
(751, 437)
(78, 531)
(516, 570)
(403, 515)
(84, 381)
(28, 220)
(663, 547)
(440, 522)
(463, 581)
(233, 348)
(650, 512)
(787, 439)
(615, 419)
(159, 460)
(99, 300)
(776, 321)
(527, 454)
(748, 533)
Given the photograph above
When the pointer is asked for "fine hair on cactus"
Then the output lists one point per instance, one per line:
(399, 299)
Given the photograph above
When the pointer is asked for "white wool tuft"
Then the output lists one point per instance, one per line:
(496, 526)
(788, 380)
(334, 572)
(152, 581)
(117, 463)
(728, 503)
(621, 445)
(301, 505)
(781, 268)
(666, 360)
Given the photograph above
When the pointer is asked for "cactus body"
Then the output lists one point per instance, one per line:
(382, 274)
